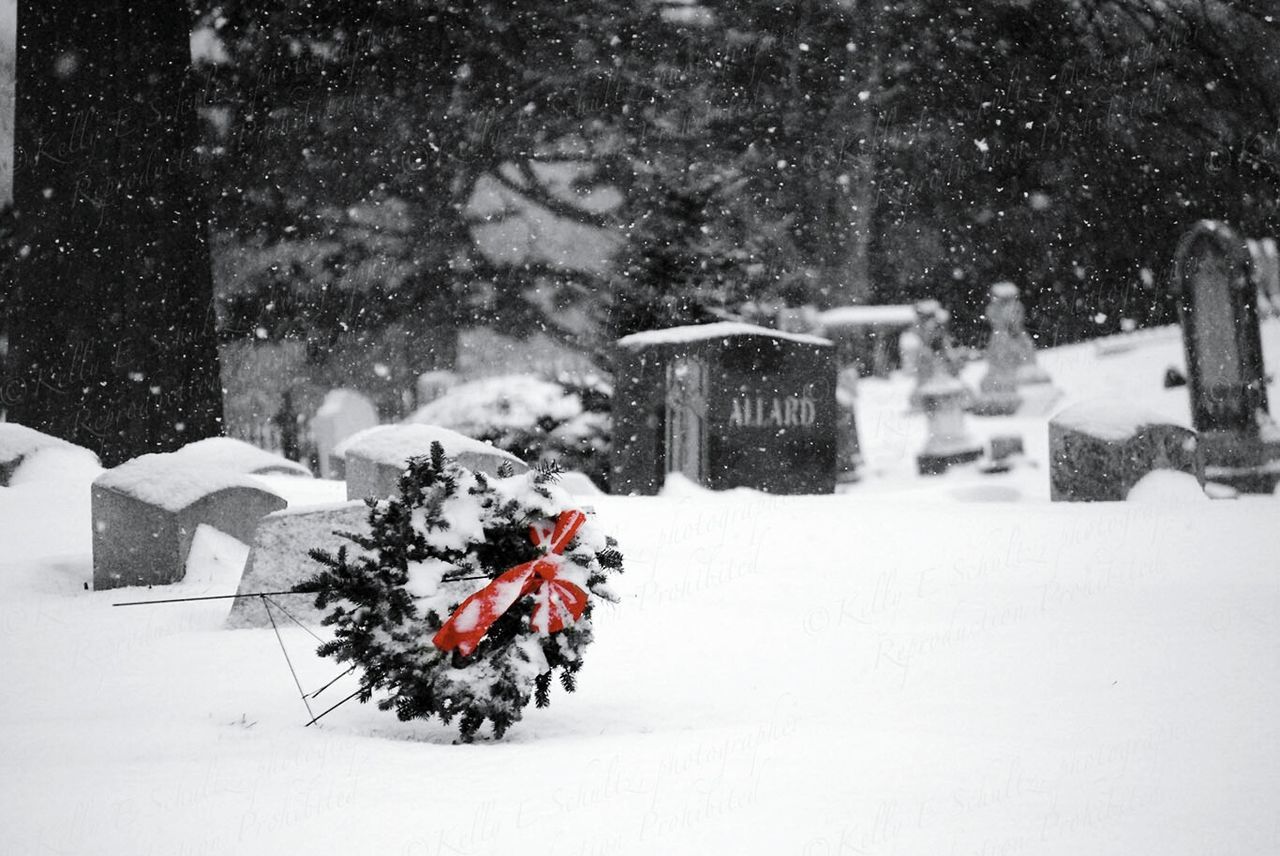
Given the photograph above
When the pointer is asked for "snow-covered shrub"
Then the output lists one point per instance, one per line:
(566, 420)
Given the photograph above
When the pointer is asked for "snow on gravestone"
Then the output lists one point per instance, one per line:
(1100, 449)
(376, 457)
(18, 443)
(237, 456)
(433, 384)
(279, 560)
(343, 412)
(147, 510)
(726, 405)
(1217, 305)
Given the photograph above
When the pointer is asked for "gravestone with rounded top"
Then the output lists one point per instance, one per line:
(18, 443)
(343, 412)
(1099, 449)
(726, 405)
(433, 384)
(147, 510)
(376, 457)
(1226, 380)
(227, 453)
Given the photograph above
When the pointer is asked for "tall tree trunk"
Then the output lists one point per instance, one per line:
(112, 331)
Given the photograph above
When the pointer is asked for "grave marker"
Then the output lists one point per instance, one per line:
(1100, 449)
(343, 412)
(727, 405)
(1226, 379)
(376, 457)
(146, 512)
(19, 443)
(279, 560)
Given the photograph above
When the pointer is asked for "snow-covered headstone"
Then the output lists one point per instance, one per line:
(146, 512)
(872, 337)
(376, 457)
(279, 557)
(226, 453)
(1100, 449)
(1226, 379)
(726, 405)
(18, 444)
(343, 412)
(433, 384)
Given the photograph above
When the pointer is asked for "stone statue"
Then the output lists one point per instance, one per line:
(932, 352)
(1011, 357)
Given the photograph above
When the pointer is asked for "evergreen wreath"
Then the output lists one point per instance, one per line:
(450, 533)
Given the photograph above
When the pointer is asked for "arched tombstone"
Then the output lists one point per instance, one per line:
(147, 510)
(726, 405)
(343, 413)
(1226, 379)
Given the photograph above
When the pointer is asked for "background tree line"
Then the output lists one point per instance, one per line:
(384, 174)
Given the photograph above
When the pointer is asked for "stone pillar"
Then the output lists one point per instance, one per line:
(949, 442)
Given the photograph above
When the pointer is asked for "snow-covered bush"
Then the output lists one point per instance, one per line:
(566, 420)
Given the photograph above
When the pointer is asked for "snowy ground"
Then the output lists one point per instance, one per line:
(865, 673)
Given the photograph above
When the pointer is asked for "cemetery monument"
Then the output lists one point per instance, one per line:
(727, 405)
(1226, 379)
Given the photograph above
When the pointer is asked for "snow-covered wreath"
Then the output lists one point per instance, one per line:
(469, 592)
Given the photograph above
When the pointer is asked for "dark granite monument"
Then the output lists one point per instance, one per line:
(1217, 304)
(726, 405)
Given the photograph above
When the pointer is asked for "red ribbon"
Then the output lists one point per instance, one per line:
(557, 603)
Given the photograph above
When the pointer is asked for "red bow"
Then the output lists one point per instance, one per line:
(557, 602)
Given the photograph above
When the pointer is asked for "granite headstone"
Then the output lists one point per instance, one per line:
(727, 405)
(376, 457)
(146, 512)
(1226, 379)
(1099, 449)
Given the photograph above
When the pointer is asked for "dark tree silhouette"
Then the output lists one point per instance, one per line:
(112, 333)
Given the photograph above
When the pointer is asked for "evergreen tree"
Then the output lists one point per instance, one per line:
(355, 139)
